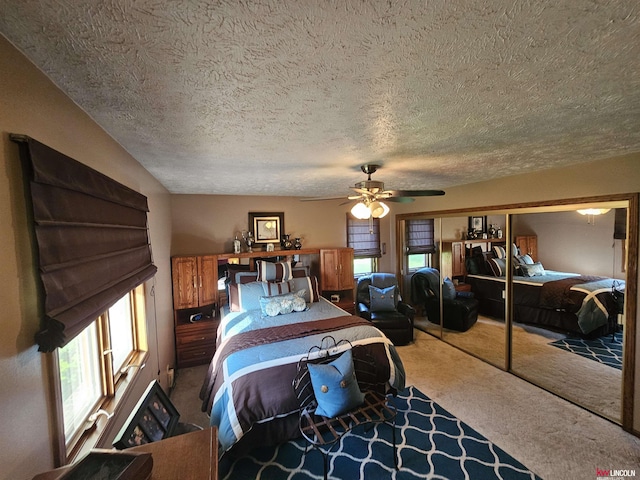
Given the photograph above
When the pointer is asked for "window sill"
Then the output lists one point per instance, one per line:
(98, 433)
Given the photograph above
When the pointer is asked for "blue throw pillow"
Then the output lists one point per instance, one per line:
(382, 299)
(335, 386)
(448, 289)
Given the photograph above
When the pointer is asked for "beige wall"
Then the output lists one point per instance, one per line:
(30, 104)
(209, 223)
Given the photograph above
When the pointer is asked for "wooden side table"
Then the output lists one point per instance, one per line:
(191, 456)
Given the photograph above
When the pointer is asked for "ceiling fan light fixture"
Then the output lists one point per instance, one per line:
(361, 211)
(378, 209)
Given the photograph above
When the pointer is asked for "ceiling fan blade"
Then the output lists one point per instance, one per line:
(415, 193)
(399, 199)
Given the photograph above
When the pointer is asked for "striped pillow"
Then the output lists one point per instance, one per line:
(276, 288)
(274, 272)
(310, 285)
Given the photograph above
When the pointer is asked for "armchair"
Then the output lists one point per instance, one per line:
(460, 313)
(387, 312)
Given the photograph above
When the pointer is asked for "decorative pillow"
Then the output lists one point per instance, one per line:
(448, 289)
(335, 386)
(278, 272)
(245, 277)
(300, 271)
(383, 299)
(498, 266)
(276, 288)
(499, 251)
(282, 304)
(299, 304)
(309, 284)
(532, 270)
(525, 259)
(249, 296)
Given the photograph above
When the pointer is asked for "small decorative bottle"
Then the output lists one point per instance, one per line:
(236, 245)
(499, 232)
(492, 231)
(297, 244)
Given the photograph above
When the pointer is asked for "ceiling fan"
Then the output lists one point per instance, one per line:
(369, 194)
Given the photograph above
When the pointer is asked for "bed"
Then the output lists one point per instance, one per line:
(579, 304)
(248, 387)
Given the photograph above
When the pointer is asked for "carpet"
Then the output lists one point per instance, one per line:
(606, 350)
(431, 442)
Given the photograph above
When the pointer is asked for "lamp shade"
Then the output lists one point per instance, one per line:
(360, 211)
(378, 209)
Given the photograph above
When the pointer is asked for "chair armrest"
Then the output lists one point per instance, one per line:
(363, 311)
(407, 310)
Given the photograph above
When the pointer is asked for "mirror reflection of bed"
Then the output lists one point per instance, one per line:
(574, 353)
(584, 367)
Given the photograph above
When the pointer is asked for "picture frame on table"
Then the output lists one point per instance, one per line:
(153, 418)
(479, 223)
(267, 227)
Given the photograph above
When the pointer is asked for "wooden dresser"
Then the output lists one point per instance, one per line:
(192, 456)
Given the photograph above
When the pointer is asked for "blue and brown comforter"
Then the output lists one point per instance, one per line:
(248, 388)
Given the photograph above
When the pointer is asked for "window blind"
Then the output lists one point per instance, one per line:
(620, 224)
(92, 240)
(364, 237)
(420, 236)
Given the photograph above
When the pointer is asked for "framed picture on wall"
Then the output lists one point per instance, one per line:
(479, 224)
(267, 227)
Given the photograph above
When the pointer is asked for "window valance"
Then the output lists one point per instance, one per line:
(92, 240)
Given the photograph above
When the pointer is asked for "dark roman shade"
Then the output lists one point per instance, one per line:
(364, 237)
(419, 236)
(92, 240)
(620, 224)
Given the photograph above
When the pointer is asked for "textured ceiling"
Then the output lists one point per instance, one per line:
(290, 97)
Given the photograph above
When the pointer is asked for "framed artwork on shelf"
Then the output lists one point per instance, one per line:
(479, 224)
(267, 227)
(153, 419)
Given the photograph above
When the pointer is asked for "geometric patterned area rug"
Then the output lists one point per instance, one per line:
(604, 349)
(431, 443)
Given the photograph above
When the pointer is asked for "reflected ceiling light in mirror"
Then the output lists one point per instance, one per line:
(593, 211)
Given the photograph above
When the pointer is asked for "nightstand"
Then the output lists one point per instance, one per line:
(463, 287)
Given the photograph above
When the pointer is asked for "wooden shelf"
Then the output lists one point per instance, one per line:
(265, 254)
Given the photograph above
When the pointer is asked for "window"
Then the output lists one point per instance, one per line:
(94, 365)
(418, 260)
(364, 266)
(364, 237)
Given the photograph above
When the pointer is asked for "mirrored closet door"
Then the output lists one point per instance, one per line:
(568, 322)
(551, 286)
